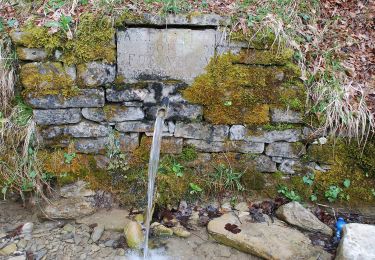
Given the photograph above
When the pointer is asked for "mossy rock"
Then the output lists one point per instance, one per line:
(265, 57)
(46, 77)
(232, 93)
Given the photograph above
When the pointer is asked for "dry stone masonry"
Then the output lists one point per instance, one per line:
(87, 104)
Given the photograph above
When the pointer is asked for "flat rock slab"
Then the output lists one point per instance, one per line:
(157, 54)
(68, 208)
(114, 219)
(358, 242)
(296, 215)
(272, 240)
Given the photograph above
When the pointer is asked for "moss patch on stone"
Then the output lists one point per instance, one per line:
(47, 78)
(94, 40)
(233, 93)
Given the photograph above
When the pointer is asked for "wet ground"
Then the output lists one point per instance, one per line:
(67, 240)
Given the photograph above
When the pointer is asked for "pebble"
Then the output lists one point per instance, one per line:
(97, 233)
(68, 228)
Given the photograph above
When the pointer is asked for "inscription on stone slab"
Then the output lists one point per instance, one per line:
(150, 54)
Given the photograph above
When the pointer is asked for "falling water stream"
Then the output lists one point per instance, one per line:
(153, 168)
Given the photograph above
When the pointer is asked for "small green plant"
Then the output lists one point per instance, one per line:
(309, 179)
(333, 192)
(194, 188)
(346, 183)
(373, 192)
(69, 157)
(313, 197)
(63, 23)
(177, 169)
(226, 178)
(289, 194)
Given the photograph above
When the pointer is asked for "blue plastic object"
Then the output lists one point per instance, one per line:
(340, 223)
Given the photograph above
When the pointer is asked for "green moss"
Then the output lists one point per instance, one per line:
(279, 127)
(94, 40)
(265, 57)
(189, 153)
(128, 17)
(47, 78)
(260, 40)
(39, 37)
(253, 180)
(346, 161)
(232, 93)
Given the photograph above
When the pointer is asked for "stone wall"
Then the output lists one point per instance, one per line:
(89, 103)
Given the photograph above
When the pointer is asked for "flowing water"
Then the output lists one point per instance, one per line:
(153, 168)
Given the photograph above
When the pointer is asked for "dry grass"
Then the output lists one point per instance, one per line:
(19, 169)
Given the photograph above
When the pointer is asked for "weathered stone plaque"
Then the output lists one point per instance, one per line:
(150, 54)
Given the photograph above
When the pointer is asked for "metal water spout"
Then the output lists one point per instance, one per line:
(153, 166)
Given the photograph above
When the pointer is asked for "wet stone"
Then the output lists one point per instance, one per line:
(201, 131)
(178, 111)
(137, 126)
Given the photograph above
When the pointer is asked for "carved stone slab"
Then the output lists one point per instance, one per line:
(159, 54)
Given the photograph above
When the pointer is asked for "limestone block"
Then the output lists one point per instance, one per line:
(39, 76)
(137, 126)
(285, 116)
(129, 141)
(31, 54)
(85, 98)
(57, 116)
(283, 149)
(95, 74)
(178, 111)
(148, 53)
(237, 132)
(357, 242)
(91, 145)
(87, 129)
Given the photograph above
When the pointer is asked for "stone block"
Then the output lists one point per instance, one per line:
(57, 116)
(94, 114)
(178, 111)
(290, 166)
(133, 104)
(171, 145)
(95, 74)
(91, 145)
(283, 149)
(205, 146)
(118, 113)
(264, 163)
(148, 53)
(285, 116)
(196, 20)
(127, 94)
(237, 132)
(137, 126)
(87, 129)
(39, 76)
(85, 98)
(31, 54)
(357, 242)
(288, 135)
(129, 141)
(246, 147)
(193, 130)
